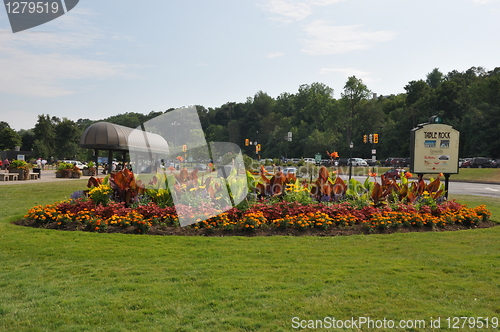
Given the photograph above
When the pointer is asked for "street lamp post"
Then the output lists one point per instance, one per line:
(351, 145)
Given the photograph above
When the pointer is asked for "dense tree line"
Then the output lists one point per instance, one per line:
(469, 101)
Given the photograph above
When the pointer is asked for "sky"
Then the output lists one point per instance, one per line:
(109, 57)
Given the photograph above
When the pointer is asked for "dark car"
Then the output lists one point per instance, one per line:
(327, 162)
(480, 162)
(397, 162)
(342, 162)
(371, 162)
(394, 173)
(387, 162)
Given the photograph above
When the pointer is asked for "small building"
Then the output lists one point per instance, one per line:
(145, 148)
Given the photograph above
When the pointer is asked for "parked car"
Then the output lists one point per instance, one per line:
(342, 162)
(387, 162)
(397, 162)
(77, 163)
(289, 170)
(495, 163)
(358, 162)
(465, 163)
(394, 173)
(480, 162)
(201, 167)
(327, 162)
(371, 162)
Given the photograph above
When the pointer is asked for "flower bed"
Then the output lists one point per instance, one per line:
(284, 206)
(278, 218)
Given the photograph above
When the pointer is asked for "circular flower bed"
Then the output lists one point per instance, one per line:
(262, 218)
(280, 205)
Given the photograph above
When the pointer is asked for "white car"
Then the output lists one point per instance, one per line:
(78, 164)
(289, 170)
(359, 162)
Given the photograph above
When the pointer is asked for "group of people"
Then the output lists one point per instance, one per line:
(114, 167)
(41, 163)
(4, 164)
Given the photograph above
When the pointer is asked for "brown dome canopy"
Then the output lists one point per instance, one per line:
(109, 136)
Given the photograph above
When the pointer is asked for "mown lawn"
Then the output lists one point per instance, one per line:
(77, 281)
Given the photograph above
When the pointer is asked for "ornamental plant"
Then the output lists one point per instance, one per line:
(282, 203)
(97, 217)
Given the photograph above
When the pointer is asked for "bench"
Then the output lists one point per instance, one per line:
(33, 176)
(8, 176)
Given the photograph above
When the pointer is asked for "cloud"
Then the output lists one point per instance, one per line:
(323, 38)
(287, 10)
(275, 55)
(348, 72)
(293, 10)
(43, 63)
(44, 75)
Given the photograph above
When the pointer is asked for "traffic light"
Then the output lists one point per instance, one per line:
(370, 138)
(364, 139)
(257, 148)
(375, 138)
(247, 142)
(184, 148)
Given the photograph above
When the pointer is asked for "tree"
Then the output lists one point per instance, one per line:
(9, 138)
(44, 130)
(313, 103)
(27, 139)
(434, 78)
(67, 137)
(353, 97)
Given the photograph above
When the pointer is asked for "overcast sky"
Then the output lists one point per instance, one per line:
(108, 57)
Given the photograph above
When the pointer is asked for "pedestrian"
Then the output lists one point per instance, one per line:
(39, 162)
(6, 163)
(43, 164)
(1, 164)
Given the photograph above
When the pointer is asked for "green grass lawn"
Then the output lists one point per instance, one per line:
(78, 281)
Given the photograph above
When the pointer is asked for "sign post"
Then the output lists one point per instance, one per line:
(317, 158)
(434, 149)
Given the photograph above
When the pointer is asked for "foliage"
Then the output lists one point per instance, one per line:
(468, 100)
(101, 194)
(9, 138)
(98, 213)
(291, 204)
(18, 164)
(67, 170)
